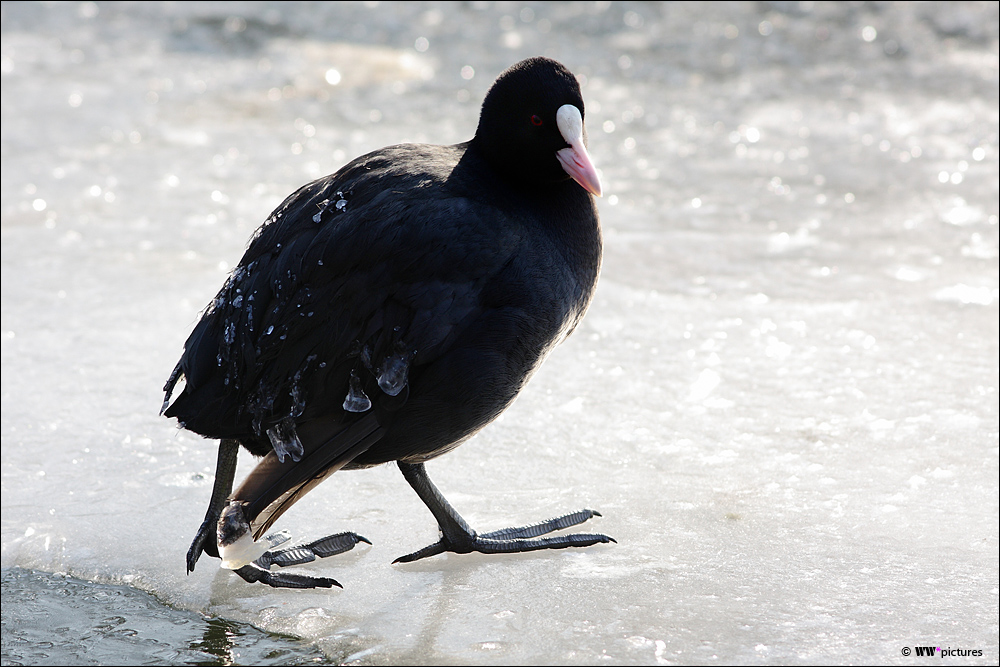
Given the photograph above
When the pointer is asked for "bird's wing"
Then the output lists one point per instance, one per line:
(347, 276)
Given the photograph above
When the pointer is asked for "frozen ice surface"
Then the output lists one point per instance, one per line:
(103, 624)
(783, 399)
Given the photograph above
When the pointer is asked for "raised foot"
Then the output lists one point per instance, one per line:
(306, 553)
(514, 540)
(259, 570)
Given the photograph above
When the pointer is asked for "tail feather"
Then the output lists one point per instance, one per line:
(273, 487)
(168, 388)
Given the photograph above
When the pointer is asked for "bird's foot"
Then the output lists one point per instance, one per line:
(253, 574)
(259, 570)
(513, 540)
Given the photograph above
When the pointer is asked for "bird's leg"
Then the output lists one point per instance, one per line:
(205, 540)
(225, 472)
(458, 537)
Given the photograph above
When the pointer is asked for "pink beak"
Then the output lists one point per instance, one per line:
(575, 160)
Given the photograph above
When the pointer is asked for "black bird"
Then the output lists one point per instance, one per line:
(390, 311)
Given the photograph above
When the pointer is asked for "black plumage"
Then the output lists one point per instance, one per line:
(391, 310)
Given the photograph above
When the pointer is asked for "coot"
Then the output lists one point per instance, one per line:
(390, 311)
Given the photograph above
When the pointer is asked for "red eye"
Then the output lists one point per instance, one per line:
(536, 120)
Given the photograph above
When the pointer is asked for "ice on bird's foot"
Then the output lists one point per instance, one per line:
(241, 552)
(356, 400)
(277, 538)
(285, 440)
(393, 375)
(236, 544)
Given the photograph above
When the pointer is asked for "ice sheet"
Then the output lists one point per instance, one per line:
(783, 400)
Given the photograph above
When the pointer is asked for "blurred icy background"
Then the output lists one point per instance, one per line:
(784, 399)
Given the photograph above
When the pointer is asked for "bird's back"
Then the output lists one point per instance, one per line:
(416, 289)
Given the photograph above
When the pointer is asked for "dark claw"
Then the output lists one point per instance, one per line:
(432, 550)
(206, 534)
